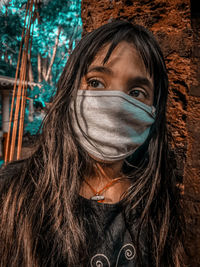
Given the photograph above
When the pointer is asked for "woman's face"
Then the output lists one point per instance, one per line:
(124, 71)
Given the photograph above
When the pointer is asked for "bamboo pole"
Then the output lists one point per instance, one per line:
(22, 88)
(24, 91)
(21, 91)
(14, 92)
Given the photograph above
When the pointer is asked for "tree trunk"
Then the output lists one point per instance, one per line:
(44, 68)
(39, 67)
(6, 57)
(54, 54)
(30, 70)
(10, 60)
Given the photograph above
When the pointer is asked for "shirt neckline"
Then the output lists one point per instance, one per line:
(93, 203)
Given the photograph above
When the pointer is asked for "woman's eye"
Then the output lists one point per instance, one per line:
(137, 93)
(94, 83)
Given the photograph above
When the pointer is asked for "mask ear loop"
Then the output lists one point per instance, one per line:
(153, 111)
(102, 172)
(129, 164)
(129, 161)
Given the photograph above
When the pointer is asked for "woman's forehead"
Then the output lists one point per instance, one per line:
(124, 52)
(101, 54)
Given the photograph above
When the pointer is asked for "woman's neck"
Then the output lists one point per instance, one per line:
(105, 176)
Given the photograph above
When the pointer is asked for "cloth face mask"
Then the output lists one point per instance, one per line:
(113, 123)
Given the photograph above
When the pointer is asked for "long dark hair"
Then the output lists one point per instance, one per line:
(40, 220)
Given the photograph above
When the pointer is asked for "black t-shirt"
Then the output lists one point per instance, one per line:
(110, 244)
(109, 240)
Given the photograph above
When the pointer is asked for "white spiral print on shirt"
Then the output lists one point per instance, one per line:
(100, 260)
(129, 253)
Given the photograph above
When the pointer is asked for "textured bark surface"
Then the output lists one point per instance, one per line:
(178, 35)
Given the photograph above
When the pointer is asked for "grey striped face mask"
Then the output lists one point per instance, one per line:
(112, 124)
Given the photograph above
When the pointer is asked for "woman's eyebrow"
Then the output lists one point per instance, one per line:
(136, 81)
(140, 80)
(101, 69)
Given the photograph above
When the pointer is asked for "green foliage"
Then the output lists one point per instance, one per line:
(52, 16)
(1, 162)
(33, 127)
(7, 69)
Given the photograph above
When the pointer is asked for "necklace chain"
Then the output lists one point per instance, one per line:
(97, 194)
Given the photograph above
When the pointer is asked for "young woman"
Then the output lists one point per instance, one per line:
(99, 189)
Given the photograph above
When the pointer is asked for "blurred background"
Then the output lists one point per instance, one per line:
(55, 29)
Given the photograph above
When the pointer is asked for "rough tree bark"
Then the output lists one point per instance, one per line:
(170, 21)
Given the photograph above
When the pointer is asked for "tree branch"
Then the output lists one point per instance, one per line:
(39, 68)
(54, 54)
